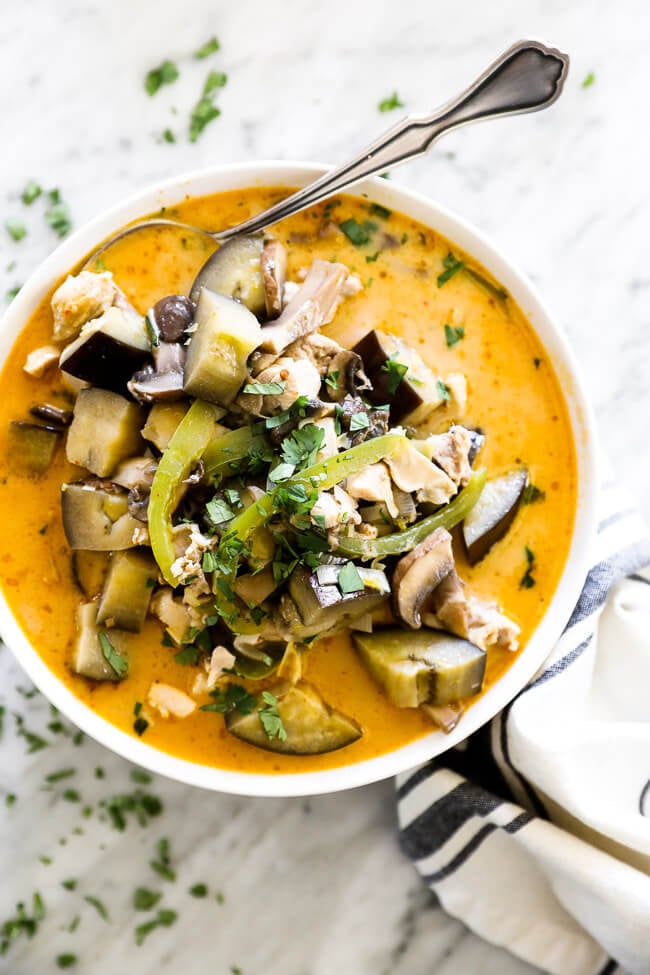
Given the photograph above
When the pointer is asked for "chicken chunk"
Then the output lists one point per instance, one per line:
(373, 483)
(40, 360)
(79, 299)
(451, 452)
(480, 621)
(334, 509)
(169, 701)
(298, 377)
(412, 472)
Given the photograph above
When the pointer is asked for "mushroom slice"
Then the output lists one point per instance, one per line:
(345, 375)
(164, 381)
(273, 262)
(313, 305)
(419, 573)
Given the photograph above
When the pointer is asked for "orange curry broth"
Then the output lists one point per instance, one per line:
(513, 396)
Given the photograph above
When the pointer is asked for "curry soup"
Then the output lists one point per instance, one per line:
(414, 286)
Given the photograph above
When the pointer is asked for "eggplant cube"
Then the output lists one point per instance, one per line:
(400, 377)
(425, 667)
(109, 350)
(30, 447)
(325, 606)
(96, 519)
(105, 430)
(127, 591)
(88, 659)
(227, 333)
(162, 422)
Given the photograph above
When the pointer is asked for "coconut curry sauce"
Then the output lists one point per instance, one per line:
(458, 322)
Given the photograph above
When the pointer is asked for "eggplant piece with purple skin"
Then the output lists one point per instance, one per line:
(31, 447)
(108, 351)
(323, 605)
(493, 513)
(235, 271)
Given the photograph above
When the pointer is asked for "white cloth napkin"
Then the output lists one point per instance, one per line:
(536, 831)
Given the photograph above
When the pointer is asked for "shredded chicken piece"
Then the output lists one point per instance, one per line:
(335, 508)
(189, 564)
(317, 348)
(169, 701)
(480, 621)
(141, 535)
(220, 661)
(412, 472)
(79, 299)
(373, 483)
(172, 612)
(451, 452)
(40, 360)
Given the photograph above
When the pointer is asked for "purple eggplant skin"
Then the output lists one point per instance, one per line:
(105, 362)
(493, 514)
(404, 399)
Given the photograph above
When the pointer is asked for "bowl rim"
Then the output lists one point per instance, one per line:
(459, 232)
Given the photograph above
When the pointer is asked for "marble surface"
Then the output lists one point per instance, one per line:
(306, 887)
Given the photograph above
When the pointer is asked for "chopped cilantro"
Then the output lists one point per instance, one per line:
(199, 890)
(216, 79)
(162, 865)
(301, 446)
(264, 389)
(34, 741)
(15, 229)
(453, 334)
(65, 773)
(140, 776)
(359, 421)
(66, 960)
(233, 698)
(10, 799)
(532, 493)
(71, 795)
(205, 110)
(396, 372)
(112, 657)
(219, 897)
(168, 135)
(589, 80)
(390, 103)
(281, 472)
(443, 390)
(164, 919)
(207, 49)
(537, 362)
(188, 656)
(58, 215)
(218, 511)
(164, 74)
(371, 258)
(11, 293)
(22, 923)
(332, 379)
(355, 233)
(451, 265)
(99, 907)
(31, 192)
(527, 581)
(377, 210)
(144, 899)
(270, 717)
(349, 579)
(143, 805)
(167, 640)
(69, 884)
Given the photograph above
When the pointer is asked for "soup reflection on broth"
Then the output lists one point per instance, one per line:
(290, 504)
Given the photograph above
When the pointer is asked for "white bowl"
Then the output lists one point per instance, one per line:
(540, 644)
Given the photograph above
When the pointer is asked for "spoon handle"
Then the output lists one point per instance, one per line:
(526, 78)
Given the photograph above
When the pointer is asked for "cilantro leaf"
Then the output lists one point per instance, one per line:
(452, 266)
(264, 389)
(453, 334)
(270, 717)
(527, 581)
(233, 698)
(168, 135)
(377, 210)
(58, 216)
(31, 192)
(144, 899)
(301, 446)
(390, 103)
(359, 421)
(205, 111)
(349, 579)
(112, 657)
(216, 79)
(165, 74)
(532, 493)
(207, 49)
(281, 473)
(589, 80)
(15, 229)
(355, 233)
(218, 511)
(396, 372)
(443, 390)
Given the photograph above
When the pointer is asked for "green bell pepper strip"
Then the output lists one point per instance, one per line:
(232, 447)
(405, 541)
(193, 434)
(322, 475)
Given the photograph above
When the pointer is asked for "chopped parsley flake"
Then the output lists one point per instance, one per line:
(264, 389)
(207, 49)
(144, 899)
(349, 579)
(69, 884)
(140, 776)
(112, 657)
(65, 773)
(359, 421)
(15, 229)
(71, 795)
(233, 698)
(532, 493)
(443, 390)
(162, 865)
(11, 293)
(164, 74)
(199, 890)
(589, 80)
(390, 103)
(270, 717)
(453, 334)
(99, 907)
(31, 192)
(371, 258)
(396, 372)
(168, 135)
(66, 960)
(355, 233)
(163, 919)
(452, 265)
(527, 581)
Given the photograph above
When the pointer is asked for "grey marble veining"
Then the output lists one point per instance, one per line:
(310, 887)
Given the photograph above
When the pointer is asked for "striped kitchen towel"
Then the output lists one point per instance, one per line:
(536, 831)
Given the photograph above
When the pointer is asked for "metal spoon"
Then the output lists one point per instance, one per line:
(527, 77)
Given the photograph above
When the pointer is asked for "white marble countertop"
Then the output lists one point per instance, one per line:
(306, 887)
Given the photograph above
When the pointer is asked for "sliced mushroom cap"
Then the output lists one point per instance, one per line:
(419, 573)
(163, 381)
(346, 376)
(273, 262)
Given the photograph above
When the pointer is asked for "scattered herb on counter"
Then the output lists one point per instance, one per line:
(168, 135)
(199, 890)
(145, 899)
(443, 390)
(349, 580)
(264, 389)
(74, 923)
(31, 192)
(2, 720)
(10, 799)
(140, 776)
(233, 697)
(216, 79)
(589, 80)
(165, 74)
(270, 718)
(69, 884)
(162, 865)
(34, 741)
(452, 265)
(71, 795)
(355, 233)
(164, 919)
(396, 372)
(205, 111)
(45, 860)
(527, 581)
(207, 49)
(58, 214)
(64, 773)
(532, 493)
(111, 656)
(219, 897)
(66, 960)
(453, 334)
(99, 906)
(11, 293)
(22, 923)
(143, 805)
(390, 103)
(15, 229)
